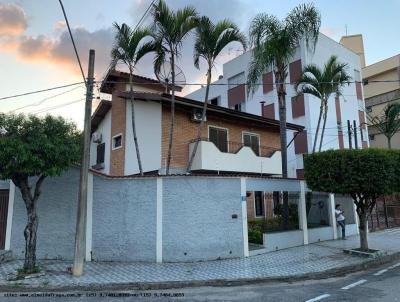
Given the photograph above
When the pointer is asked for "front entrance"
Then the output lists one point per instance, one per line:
(3, 217)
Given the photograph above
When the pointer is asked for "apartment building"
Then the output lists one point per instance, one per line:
(345, 127)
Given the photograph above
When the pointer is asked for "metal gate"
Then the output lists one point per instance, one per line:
(3, 216)
(386, 213)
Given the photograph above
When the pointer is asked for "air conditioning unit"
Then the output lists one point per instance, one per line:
(196, 116)
(97, 137)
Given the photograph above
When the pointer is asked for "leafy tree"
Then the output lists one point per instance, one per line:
(129, 48)
(322, 84)
(274, 43)
(33, 148)
(170, 30)
(364, 174)
(388, 123)
(211, 39)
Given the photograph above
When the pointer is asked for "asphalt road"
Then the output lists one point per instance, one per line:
(382, 284)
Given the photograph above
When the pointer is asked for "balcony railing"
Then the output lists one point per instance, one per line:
(238, 158)
(234, 147)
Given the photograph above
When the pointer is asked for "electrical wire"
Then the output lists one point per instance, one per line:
(73, 42)
(45, 99)
(57, 106)
(39, 91)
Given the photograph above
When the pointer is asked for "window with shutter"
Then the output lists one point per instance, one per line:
(101, 148)
(219, 137)
(252, 141)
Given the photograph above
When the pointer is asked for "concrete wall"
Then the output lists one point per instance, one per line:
(197, 218)
(124, 219)
(320, 234)
(57, 208)
(148, 129)
(4, 184)
(283, 240)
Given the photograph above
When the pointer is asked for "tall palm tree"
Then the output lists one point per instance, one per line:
(170, 30)
(274, 43)
(322, 84)
(388, 123)
(211, 39)
(129, 47)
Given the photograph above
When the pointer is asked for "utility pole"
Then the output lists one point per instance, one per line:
(349, 133)
(355, 134)
(77, 268)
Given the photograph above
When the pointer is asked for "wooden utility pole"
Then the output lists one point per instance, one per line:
(77, 268)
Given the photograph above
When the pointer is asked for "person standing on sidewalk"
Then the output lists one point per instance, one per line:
(340, 220)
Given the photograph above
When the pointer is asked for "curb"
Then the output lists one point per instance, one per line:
(331, 273)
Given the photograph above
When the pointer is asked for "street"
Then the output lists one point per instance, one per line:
(379, 284)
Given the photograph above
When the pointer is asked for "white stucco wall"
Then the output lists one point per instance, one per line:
(105, 129)
(148, 128)
(349, 103)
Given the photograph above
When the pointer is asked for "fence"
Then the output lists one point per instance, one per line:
(386, 213)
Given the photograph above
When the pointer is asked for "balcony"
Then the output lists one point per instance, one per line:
(239, 158)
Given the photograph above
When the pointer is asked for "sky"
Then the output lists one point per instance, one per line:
(36, 52)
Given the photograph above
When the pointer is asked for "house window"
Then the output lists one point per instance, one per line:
(219, 137)
(239, 107)
(215, 101)
(252, 141)
(117, 141)
(101, 148)
(259, 203)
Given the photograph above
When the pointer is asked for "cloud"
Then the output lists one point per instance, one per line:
(13, 20)
(59, 26)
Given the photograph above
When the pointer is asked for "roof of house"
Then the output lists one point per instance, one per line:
(114, 76)
(165, 98)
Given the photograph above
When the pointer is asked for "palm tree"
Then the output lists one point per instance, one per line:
(170, 30)
(322, 84)
(211, 39)
(129, 48)
(274, 43)
(388, 123)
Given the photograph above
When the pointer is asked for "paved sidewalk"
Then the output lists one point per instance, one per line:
(299, 262)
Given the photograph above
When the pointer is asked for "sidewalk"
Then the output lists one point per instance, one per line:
(319, 260)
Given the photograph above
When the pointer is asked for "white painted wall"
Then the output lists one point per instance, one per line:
(105, 129)
(148, 127)
(349, 103)
(208, 157)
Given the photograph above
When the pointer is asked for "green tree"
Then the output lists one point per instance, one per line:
(33, 148)
(129, 48)
(274, 43)
(322, 84)
(170, 30)
(362, 174)
(388, 123)
(211, 39)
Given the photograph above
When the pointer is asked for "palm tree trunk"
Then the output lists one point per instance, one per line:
(321, 108)
(134, 123)
(283, 137)
(203, 117)
(172, 117)
(324, 124)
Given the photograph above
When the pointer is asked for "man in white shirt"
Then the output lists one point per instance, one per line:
(340, 220)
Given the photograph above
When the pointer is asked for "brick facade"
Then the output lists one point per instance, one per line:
(268, 207)
(185, 131)
(118, 125)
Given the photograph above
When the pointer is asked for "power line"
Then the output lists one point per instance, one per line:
(39, 91)
(73, 42)
(45, 99)
(57, 106)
